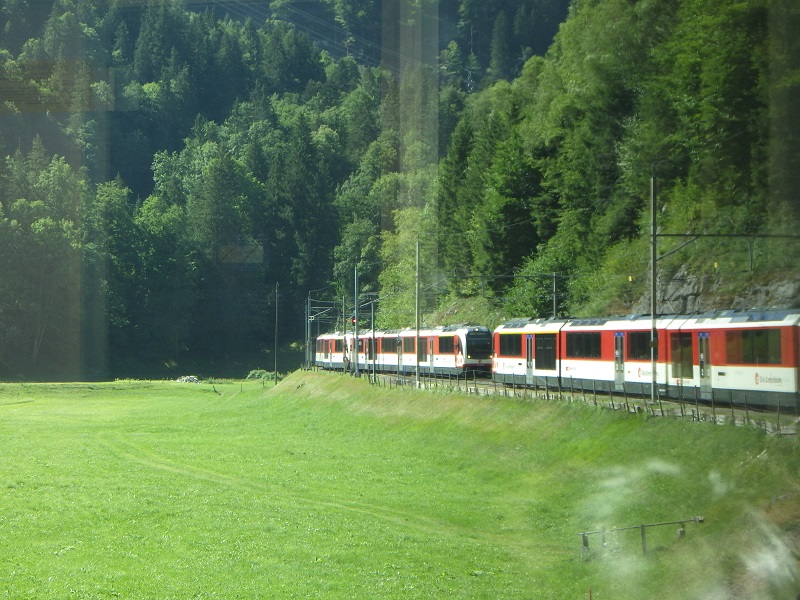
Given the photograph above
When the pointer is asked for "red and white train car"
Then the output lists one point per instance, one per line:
(333, 351)
(736, 356)
(526, 351)
(451, 350)
(730, 356)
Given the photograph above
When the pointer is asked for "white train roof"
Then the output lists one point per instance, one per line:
(708, 320)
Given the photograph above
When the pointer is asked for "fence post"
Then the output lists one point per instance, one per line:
(746, 412)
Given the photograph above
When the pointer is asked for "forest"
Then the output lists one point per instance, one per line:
(179, 179)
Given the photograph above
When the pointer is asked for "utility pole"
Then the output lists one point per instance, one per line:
(416, 316)
(308, 332)
(355, 322)
(373, 350)
(276, 334)
(653, 305)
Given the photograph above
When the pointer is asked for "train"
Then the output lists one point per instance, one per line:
(725, 357)
(455, 350)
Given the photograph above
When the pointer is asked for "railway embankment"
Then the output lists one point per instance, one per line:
(618, 499)
(741, 414)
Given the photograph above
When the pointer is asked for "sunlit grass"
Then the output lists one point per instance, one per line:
(325, 487)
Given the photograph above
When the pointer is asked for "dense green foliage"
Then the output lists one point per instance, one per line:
(326, 487)
(165, 169)
(679, 90)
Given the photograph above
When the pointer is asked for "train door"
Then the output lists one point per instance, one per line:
(546, 358)
(399, 355)
(619, 360)
(371, 354)
(430, 355)
(704, 349)
(529, 358)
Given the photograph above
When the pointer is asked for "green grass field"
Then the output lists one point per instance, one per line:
(325, 487)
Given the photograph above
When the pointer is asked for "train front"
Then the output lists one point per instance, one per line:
(477, 344)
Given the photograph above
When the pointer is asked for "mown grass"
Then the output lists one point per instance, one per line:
(324, 487)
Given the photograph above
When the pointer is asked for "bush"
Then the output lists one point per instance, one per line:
(260, 374)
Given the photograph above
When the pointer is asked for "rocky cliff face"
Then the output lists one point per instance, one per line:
(682, 293)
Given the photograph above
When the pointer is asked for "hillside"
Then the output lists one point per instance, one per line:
(175, 173)
(557, 469)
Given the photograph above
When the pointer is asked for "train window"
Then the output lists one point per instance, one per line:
(388, 345)
(510, 344)
(479, 344)
(545, 351)
(681, 344)
(753, 347)
(639, 345)
(583, 345)
(371, 343)
(422, 349)
(408, 345)
(338, 346)
(446, 345)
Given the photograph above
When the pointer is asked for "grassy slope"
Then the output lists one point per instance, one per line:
(325, 487)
